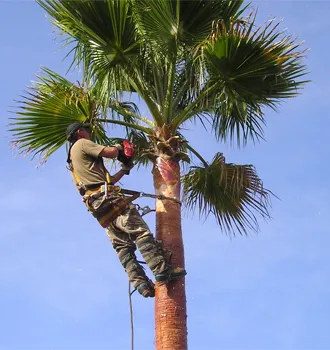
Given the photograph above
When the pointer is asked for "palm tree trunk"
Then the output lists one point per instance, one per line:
(170, 304)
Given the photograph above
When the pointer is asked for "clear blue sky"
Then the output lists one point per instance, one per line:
(61, 285)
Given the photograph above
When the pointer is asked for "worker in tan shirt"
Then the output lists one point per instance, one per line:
(121, 220)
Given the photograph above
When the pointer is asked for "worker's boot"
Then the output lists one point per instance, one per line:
(171, 274)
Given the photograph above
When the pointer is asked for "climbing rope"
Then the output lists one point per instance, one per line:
(131, 313)
(130, 293)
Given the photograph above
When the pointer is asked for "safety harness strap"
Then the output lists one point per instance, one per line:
(104, 201)
(143, 194)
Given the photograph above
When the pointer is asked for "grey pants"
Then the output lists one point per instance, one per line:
(128, 232)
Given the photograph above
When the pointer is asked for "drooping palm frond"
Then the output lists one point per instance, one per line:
(53, 103)
(234, 194)
(246, 69)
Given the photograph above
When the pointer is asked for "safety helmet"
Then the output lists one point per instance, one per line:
(73, 128)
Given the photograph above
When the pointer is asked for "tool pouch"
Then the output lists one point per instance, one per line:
(106, 209)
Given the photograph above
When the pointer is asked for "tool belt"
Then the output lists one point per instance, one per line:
(105, 203)
(103, 189)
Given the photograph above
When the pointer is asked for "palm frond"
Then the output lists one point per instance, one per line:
(196, 154)
(170, 31)
(246, 121)
(50, 105)
(106, 44)
(103, 25)
(234, 194)
(246, 70)
(181, 22)
(196, 18)
(127, 111)
(155, 21)
(103, 36)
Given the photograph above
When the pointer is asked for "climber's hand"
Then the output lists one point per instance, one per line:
(127, 167)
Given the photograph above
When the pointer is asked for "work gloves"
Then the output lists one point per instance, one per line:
(126, 162)
(127, 167)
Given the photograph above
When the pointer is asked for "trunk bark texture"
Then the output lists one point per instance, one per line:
(170, 304)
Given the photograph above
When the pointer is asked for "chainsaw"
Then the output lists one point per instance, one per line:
(126, 155)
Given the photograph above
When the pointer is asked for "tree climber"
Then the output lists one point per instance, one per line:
(115, 212)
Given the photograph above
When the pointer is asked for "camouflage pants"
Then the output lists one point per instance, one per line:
(128, 232)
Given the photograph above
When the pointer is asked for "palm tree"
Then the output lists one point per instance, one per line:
(190, 61)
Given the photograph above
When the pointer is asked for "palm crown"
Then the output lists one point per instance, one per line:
(200, 61)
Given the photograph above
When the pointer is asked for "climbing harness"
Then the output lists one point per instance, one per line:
(106, 202)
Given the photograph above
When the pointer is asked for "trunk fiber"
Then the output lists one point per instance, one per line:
(170, 304)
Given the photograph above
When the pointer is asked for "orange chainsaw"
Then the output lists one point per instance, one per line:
(126, 155)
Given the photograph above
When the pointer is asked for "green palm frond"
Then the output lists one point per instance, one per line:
(50, 105)
(103, 36)
(102, 25)
(155, 21)
(252, 69)
(53, 103)
(170, 31)
(196, 18)
(129, 111)
(246, 69)
(106, 43)
(234, 194)
(181, 22)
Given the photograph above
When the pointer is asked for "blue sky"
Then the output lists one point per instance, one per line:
(61, 285)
